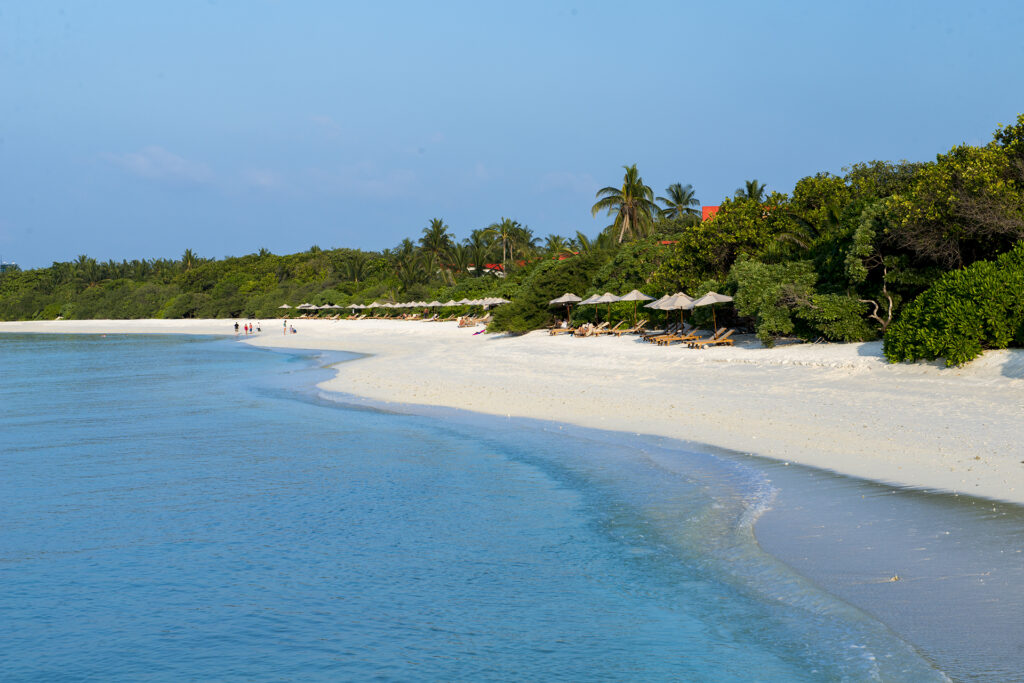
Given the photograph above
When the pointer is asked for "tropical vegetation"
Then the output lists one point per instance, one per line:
(925, 254)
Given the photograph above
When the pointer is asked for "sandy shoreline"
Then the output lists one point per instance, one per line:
(839, 407)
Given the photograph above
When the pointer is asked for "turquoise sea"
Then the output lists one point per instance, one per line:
(192, 508)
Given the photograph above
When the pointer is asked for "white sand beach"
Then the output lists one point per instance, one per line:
(840, 407)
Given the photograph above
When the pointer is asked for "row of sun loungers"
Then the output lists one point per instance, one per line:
(687, 335)
(589, 330)
(673, 333)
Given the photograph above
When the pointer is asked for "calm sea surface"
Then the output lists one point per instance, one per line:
(186, 507)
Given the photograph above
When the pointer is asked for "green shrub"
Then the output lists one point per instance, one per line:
(838, 317)
(529, 309)
(770, 293)
(962, 313)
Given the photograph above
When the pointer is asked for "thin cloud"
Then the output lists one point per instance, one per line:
(156, 163)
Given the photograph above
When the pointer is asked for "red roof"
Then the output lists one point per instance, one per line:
(708, 212)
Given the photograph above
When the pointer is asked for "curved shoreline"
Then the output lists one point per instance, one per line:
(837, 407)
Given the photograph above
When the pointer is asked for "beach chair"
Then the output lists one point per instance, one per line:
(636, 329)
(685, 335)
(722, 337)
(681, 332)
(562, 330)
(611, 330)
(671, 328)
(589, 330)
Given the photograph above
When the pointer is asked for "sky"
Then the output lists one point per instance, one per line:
(141, 129)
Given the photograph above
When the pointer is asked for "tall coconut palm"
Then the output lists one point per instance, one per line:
(189, 259)
(680, 201)
(436, 243)
(505, 231)
(751, 190)
(460, 257)
(632, 205)
(524, 244)
(479, 244)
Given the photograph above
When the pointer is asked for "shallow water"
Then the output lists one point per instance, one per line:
(193, 508)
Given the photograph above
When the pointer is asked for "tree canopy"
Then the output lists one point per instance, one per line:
(841, 257)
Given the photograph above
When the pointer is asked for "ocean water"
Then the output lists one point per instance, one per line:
(192, 508)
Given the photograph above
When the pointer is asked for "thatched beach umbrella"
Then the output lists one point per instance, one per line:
(710, 299)
(284, 306)
(435, 303)
(607, 298)
(592, 299)
(635, 296)
(568, 299)
(677, 301)
(656, 304)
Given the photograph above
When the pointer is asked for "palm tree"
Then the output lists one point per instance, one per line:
(680, 201)
(479, 244)
(524, 244)
(751, 190)
(555, 245)
(87, 270)
(806, 232)
(505, 231)
(460, 256)
(437, 242)
(355, 266)
(189, 259)
(584, 245)
(633, 204)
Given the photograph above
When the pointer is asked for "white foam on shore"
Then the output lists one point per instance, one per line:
(840, 407)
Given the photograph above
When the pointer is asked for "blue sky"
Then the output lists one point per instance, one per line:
(140, 129)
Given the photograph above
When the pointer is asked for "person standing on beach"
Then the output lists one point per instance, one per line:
(236, 328)
(258, 329)
(286, 328)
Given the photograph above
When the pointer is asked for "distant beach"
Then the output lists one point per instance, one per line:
(838, 407)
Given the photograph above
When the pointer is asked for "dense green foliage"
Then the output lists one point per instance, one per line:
(838, 258)
(964, 312)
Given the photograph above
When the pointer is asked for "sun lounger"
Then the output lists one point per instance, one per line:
(636, 329)
(589, 330)
(671, 328)
(681, 332)
(562, 330)
(612, 330)
(721, 337)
